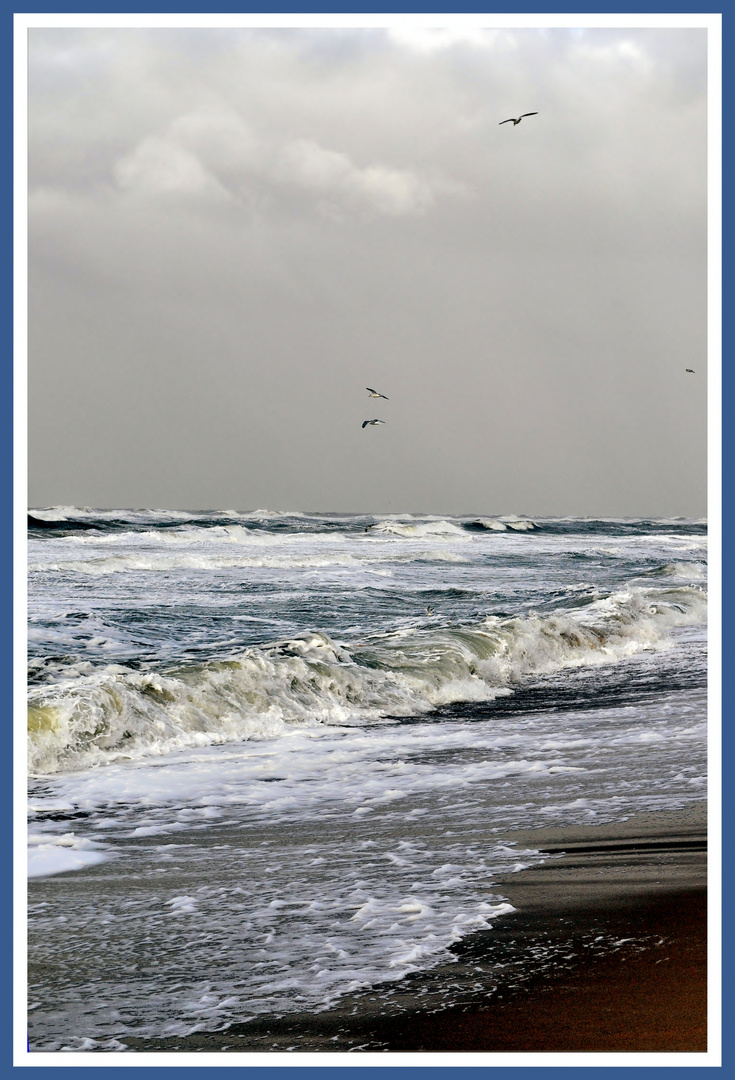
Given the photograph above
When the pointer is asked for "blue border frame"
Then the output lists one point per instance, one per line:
(6, 584)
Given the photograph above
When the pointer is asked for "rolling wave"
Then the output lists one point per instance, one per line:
(263, 691)
(691, 571)
(157, 562)
(414, 529)
(501, 524)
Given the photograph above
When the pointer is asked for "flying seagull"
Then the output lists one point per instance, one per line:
(517, 120)
(690, 370)
(374, 393)
(366, 422)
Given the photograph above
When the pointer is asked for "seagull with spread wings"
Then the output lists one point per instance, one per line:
(366, 422)
(517, 119)
(374, 393)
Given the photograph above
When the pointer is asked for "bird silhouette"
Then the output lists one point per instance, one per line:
(515, 120)
(366, 422)
(374, 393)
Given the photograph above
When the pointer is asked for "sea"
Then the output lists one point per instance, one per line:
(276, 760)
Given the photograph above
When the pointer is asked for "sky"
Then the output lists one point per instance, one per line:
(234, 232)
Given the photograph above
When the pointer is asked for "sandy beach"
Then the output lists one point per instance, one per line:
(619, 925)
(640, 888)
(644, 997)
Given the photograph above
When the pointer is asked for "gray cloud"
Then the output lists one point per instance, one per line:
(232, 233)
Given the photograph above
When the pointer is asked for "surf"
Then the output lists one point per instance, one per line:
(114, 713)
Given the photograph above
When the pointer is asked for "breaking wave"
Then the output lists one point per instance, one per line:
(418, 529)
(501, 524)
(157, 562)
(261, 692)
(691, 571)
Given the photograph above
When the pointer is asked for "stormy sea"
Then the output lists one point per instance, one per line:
(277, 760)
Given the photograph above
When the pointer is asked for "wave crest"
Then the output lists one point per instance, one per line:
(116, 713)
(501, 524)
(419, 529)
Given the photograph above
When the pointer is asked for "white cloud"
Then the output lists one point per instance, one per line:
(160, 166)
(433, 38)
(221, 139)
(215, 155)
(330, 173)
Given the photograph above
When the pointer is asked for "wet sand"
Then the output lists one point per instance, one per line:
(637, 891)
(643, 997)
(605, 952)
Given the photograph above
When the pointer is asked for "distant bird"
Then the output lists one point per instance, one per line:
(429, 610)
(516, 120)
(690, 370)
(366, 422)
(374, 393)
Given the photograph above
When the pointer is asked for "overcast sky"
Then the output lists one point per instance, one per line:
(234, 232)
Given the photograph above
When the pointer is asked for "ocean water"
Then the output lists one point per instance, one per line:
(276, 760)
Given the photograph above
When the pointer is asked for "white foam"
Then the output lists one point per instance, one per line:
(50, 854)
(183, 905)
(493, 524)
(518, 523)
(305, 917)
(419, 529)
(158, 562)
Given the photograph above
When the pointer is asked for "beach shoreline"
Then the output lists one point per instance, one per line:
(644, 997)
(640, 887)
(618, 924)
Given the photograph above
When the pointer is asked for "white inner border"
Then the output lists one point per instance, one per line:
(713, 24)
